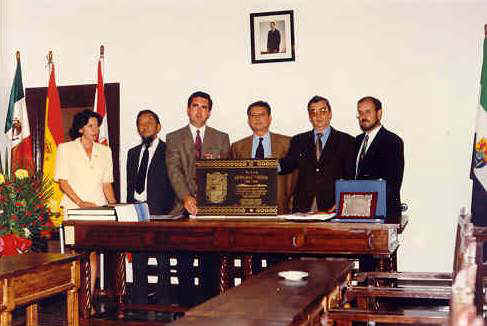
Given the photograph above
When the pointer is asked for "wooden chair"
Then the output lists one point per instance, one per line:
(480, 233)
(405, 297)
(462, 308)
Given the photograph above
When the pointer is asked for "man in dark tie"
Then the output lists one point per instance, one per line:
(147, 178)
(193, 142)
(147, 181)
(264, 144)
(379, 153)
(321, 156)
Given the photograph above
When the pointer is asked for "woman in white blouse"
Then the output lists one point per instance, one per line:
(84, 170)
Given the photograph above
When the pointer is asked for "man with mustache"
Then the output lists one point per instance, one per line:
(379, 153)
(147, 181)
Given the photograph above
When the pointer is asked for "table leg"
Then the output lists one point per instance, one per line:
(72, 309)
(120, 287)
(6, 318)
(247, 266)
(84, 290)
(32, 315)
(224, 283)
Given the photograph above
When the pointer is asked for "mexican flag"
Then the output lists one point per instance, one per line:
(479, 157)
(17, 126)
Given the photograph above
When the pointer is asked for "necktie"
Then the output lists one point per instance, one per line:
(364, 148)
(197, 145)
(259, 153)
(142, 173)
(319, 145)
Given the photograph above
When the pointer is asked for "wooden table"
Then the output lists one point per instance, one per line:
(379, 241)
(27, 278)
(267, 299)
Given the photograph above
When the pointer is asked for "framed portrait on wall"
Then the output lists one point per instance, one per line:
(272, 36)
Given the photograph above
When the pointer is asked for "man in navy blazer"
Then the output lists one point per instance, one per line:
(321, 156)
(157, 191)
(147, 181)
(379, 153)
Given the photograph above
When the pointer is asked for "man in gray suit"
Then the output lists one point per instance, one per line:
(190, 143)
(185, 146)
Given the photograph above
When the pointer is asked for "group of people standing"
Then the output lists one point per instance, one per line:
(163, 173)
(309, 163)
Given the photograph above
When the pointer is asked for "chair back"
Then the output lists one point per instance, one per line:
(464, 235)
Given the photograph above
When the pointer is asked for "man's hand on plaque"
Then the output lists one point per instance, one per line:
(189, 203)
(211, 156)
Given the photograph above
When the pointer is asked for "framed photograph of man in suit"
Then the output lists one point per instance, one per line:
(272, 36)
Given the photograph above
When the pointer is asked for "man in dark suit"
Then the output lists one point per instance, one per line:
(273, 39)
(264, 144)
(195, 141)
(379, 153)
(153, 187)
(147, 181)
(321, 156)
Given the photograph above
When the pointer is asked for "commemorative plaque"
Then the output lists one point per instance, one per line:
(237, 187)
(357, 204)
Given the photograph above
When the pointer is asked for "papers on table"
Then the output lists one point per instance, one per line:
(317, 216)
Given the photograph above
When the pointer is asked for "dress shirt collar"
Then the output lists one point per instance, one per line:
(266, 143)
(324, 137)
(202, 132)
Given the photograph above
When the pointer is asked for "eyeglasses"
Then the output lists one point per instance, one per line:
(318, 111)
(257, 115)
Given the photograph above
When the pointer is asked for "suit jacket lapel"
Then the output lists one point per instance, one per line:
(276, 147)
(310, 146)
(247, 147)
(329, 146)
(136, 158)
(374, 145)
(157, 154)
(207, 140)
(187, 141)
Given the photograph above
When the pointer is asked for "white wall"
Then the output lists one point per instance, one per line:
(422, 58)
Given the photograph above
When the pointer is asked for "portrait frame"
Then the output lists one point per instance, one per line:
(267, 45)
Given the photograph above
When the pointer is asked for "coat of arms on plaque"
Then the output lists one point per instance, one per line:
(216, 187)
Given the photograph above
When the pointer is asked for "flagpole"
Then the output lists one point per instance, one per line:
(102, 255)
(62, 211)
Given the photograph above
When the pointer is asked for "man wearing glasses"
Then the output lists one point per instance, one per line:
(321, 156)
(265, 144)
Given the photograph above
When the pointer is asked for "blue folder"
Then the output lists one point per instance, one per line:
(378, 186)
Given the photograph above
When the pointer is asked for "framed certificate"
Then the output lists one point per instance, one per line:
(357, 205)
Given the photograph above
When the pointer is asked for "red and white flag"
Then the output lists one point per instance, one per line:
(100, 104)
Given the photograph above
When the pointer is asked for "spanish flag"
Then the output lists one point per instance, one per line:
(53, 136)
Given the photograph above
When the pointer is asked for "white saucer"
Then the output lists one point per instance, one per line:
(293, 275)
